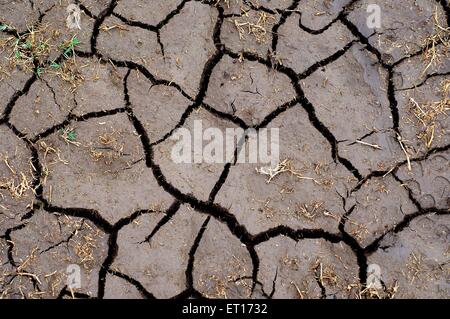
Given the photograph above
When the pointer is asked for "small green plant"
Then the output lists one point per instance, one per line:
(70, 47)
(17, 54)
(72, 136)
(69, 135)
(55, 65)
(39, 71)
(27, 45)
(4, 27)
(30, 49)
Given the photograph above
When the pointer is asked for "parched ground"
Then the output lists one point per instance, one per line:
(86, 176)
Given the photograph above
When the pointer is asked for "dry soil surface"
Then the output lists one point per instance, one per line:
(86, 176)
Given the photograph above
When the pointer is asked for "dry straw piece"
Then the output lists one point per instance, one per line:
(286, 166)
(255, 24)
(429, 115)
(440, 36)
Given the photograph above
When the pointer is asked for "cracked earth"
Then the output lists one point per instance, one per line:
(86, 176)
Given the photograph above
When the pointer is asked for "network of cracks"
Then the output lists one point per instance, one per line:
(223, 230)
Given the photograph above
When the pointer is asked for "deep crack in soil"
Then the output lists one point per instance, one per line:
(89, 182)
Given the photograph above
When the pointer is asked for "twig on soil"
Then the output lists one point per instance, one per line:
(400, 141)
(368, 144)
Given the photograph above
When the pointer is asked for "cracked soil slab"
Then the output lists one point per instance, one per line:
(93, 203)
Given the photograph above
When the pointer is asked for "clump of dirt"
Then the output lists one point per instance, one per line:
(255, 24)
(441, 36)
(28, 50)
(69, 70)
(313, 210)
(216, 285)
(324, 274)
(35, 51)
(429, 114)
(17, 184)
(111, 149)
